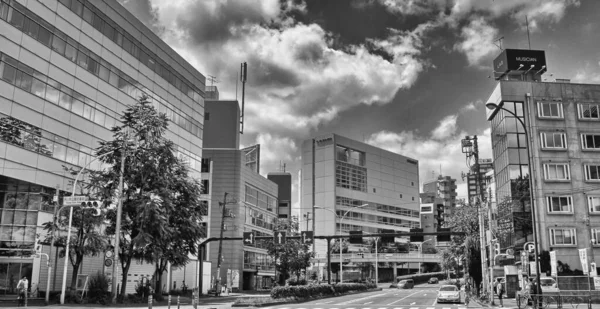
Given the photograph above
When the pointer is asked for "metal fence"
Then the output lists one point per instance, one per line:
(565, 293)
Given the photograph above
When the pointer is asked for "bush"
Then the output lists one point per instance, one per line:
(294, 282)
(306, 291)
(98, 292)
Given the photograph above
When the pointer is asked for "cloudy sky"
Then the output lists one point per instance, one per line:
(410, 76)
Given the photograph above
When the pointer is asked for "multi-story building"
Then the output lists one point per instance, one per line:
(429, 218)
(360, 187)
(441, 192)
(68, 69)
(284, 195)
(251, 201)
(474, 193)
(562, 141)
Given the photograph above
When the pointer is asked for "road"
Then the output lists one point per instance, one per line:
(421, 297)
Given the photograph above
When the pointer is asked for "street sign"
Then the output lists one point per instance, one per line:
(553, 264)
(584, 262)
(249, 238)
(74, 200)
(529, 247)
(108, 262)
(307, 237)
(279, 238)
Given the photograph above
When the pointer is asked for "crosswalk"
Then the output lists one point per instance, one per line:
(377, 307)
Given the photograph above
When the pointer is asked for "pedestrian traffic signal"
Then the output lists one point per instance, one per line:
(356, 237)
(416, 238)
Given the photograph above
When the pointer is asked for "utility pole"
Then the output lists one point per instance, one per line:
(470, 148)
(219, 257)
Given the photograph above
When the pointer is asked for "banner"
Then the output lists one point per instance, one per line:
(235, 278)
(584, 260)
(532, 268)
(553, 263)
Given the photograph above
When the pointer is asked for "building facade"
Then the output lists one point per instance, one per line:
(441, 192)
(357, 186)
(474, 193)
(68, 69)
(284, 193)
(563, 130)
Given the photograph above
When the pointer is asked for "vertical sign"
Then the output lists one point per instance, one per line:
(235, 278)
(583, 259)
(553, 263)
(532, 268)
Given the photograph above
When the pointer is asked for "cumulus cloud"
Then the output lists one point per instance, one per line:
(587, 75)
(297, 78)
(434, 153)
(477, 41)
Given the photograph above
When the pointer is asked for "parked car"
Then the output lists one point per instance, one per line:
(433, 280)
(448, 293)
(406, 284)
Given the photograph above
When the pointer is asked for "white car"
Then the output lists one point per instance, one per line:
(548, 284)
(448, 294)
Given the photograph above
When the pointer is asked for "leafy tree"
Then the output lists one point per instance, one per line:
(335, 246)
(87, 241)
(447, 262)
(161, 209)
(293, 256)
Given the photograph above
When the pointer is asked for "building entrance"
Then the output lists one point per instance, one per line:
(11, 273)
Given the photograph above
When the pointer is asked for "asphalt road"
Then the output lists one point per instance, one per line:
(421, 297)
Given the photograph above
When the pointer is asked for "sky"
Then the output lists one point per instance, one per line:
(409, 76)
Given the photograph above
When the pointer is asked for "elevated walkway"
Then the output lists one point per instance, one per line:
(381, 257)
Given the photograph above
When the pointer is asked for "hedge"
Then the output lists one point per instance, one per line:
(305, 291)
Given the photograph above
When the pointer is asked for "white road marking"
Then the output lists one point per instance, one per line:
(409, 295)
(360, 299)
(413, 303)
(368, 303)
(414, 308)
(327, 302)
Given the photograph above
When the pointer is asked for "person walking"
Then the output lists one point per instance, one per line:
(500, 291)
(22, 291)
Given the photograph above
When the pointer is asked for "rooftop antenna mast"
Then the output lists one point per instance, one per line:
(498, 42)
(527, 25)
(213, 80)
(243, 77)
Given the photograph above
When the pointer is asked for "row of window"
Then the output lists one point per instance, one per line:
(349, 155)
(104, 25)
(558, 140)
(260, 199)
(562, 171)
(350, 176)
(374, 219)
(24, 19)
(564, 203)
(261, 261)
(554, 110)
(349, 202)
(568, 236)
(261, 219)
(34, 82)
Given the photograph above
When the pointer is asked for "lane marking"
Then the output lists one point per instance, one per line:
(414, 308)
(409, 295)
(361, 299)
(413, 303)
(368, 303)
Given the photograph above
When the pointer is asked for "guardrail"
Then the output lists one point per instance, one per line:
(382, 257)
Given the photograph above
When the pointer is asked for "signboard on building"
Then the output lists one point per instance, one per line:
(75, 200)
(553, 264)
(235, 279)
(519, 60)
(584, 260)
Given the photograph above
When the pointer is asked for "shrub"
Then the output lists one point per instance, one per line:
(294, 281)
(98, 289)
(306, 291)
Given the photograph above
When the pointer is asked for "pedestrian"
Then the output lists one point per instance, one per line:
(22, 291)
(500, 291)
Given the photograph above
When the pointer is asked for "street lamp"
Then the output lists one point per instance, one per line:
(340, 241)
(496, 108)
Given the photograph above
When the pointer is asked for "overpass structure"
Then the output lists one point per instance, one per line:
(382, 257)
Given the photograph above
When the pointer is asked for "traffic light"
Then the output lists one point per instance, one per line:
(496, 248)
(356, 237)
(387, 239)
(441, 238)
(93, 205)
(416, 238)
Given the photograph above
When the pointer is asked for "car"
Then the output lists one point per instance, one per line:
(406, 284)
(448, 294)
(548, 284)
(433, 280)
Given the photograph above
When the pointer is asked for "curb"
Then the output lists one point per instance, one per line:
(301, 301)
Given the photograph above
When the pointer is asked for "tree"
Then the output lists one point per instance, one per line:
(87, 241)
(447, 262)
(293, 256)
(161, 209)
(335, 247)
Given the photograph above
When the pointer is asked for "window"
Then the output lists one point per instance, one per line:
(562, 237)
(205, 186)
(595, 234)
(557, 171)
(251, 196)
(9, 73)
(592, 172)
(558, 204)
(594, 203)
(16, 18)
(550, 110)
(350, 176)
(45, 36)
(590, 141)
(588, 111)
(553, 140)
(205, 165)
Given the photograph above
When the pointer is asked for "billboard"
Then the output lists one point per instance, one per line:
(520, 60)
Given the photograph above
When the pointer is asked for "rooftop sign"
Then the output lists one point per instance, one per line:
(520, 61)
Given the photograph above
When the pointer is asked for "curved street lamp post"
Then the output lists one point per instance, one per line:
(341, 218)
(496, 108)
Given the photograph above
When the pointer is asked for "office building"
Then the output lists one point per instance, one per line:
(563, 129)
(442, 192)
(357, 187)
(284, 192)
(68, 69)
(251, 201)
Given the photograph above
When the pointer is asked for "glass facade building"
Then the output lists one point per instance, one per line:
(68, 69)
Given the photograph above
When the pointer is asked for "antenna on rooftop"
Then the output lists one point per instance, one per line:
(527, 24)
(498, 42)
(213, 80)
